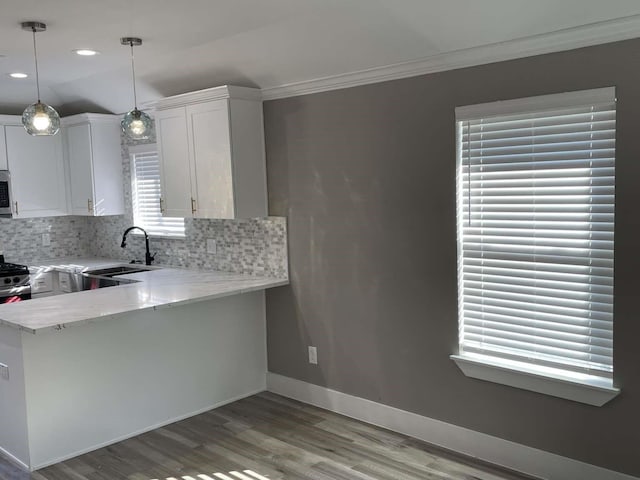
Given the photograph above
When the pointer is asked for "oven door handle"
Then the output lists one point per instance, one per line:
(11, 291)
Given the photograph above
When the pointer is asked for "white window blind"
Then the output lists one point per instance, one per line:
(536, 231)
(146, 197)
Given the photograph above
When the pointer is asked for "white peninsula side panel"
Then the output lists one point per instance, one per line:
(99, 383)
(13, 410)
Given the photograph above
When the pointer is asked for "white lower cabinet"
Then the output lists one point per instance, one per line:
(37, 173)
(211, 149)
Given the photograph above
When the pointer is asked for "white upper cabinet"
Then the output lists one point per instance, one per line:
(3, 150)
(95, 164)
(210, 167)
(37, 173)
(211, 148)
(173, 148)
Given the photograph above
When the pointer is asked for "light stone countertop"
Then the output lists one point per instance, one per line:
(159, 288)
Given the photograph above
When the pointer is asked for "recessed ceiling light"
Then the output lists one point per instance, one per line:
(18, 75)
(85, 52)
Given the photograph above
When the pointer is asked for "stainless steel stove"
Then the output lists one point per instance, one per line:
(14, 282)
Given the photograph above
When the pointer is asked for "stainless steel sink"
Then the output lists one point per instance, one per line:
(120, 270)
(78, 282)
(62, 282)
(84, 281)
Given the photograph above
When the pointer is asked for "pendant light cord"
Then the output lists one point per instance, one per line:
(133, 73)
(35, 54)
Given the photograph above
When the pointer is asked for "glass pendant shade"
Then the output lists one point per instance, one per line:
(40, 119)
(137, 125)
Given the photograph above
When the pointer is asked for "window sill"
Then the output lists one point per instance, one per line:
(588, 389)
(158, 235)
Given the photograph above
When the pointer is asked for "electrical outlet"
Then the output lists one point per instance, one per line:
(46, 239)
(4, 371)
(212, 248)
(313, 355)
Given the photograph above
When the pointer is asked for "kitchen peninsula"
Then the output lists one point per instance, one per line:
(90, 368)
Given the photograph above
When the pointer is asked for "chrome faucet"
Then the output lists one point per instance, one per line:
(148, 258)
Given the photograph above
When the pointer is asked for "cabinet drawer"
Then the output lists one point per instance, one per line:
(41, 282)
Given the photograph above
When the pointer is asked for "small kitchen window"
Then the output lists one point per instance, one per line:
(146, 191)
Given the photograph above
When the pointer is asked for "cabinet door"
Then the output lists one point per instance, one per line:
(108, 193)
(211, 169)
(80, 169)
(173, 151)
(37, 173)
(3, 150)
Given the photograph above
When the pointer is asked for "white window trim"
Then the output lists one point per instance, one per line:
(136, 150)
(581, 388)
(536, 104)
(587, 390)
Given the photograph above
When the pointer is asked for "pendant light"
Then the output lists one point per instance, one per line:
(136, 124)
(39, 118)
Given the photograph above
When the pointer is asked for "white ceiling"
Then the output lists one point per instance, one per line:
(197, 44)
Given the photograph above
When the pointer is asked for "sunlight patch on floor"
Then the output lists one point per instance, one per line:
(232, 475)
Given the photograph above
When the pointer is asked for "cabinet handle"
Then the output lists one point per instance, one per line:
(89, 205)
(17, 213)
(193, 205)
(161, 205)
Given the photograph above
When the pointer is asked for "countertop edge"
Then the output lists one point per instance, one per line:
(244, 284)
(63, 326)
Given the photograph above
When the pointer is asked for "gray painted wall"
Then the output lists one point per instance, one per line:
(366, 176)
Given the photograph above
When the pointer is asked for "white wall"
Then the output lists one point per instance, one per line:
(91, 385)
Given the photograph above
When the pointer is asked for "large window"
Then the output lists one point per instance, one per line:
(145, 189)
(535, 242)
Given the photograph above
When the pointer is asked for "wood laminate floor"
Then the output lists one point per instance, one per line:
(265, 437)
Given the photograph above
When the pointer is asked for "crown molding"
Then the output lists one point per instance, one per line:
(81, 118)
(568, 39)
(206, 95)
(10, 120)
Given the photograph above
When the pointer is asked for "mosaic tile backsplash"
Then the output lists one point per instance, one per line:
(253, 246)
(21, 239)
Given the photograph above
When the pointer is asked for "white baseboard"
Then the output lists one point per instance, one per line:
(13, 459)
(511, 455)
(139, 432)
